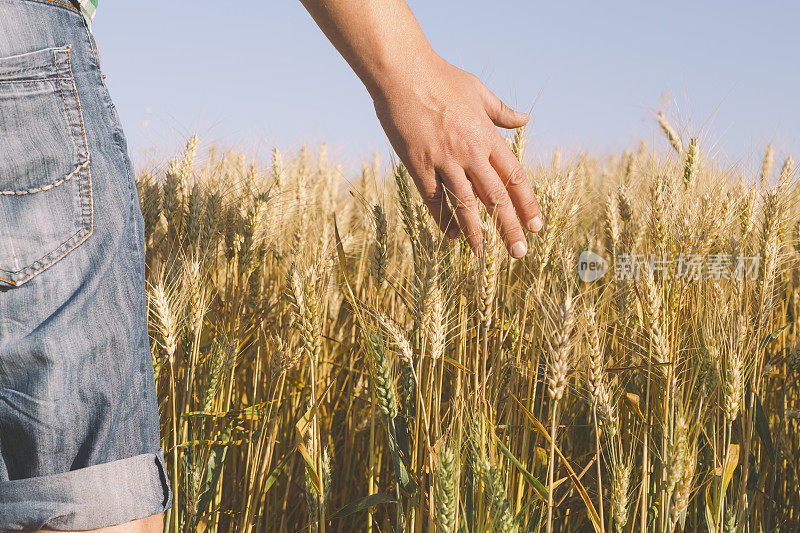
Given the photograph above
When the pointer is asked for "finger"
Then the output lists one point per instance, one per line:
(432, 193)
(498, 204)
(465, 206)
(516, 182)
(502, 115)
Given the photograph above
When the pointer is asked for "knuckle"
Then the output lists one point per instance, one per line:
(433, 196)
(497, 198)
(517, 177)
(465, 204)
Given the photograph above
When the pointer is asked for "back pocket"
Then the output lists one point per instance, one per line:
(45, 188)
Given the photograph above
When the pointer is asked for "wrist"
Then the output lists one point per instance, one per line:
(400, 70)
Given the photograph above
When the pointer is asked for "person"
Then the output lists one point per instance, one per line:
(79, 427)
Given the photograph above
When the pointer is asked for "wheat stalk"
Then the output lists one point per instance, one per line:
(670, 132)
(596, 378)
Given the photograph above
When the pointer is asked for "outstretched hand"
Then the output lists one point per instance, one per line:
(442, 122)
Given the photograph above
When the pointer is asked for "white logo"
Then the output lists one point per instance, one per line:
(591, 266)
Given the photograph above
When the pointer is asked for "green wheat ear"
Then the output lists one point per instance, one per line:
(445, 482)
(380, 372)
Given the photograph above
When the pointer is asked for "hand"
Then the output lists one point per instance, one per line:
(442, 122)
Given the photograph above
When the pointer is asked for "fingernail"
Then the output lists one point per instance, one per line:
(535, 224)
(518, 249)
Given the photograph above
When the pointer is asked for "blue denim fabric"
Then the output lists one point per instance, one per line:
(79, 427)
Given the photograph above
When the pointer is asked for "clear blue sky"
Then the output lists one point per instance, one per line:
(258, 73)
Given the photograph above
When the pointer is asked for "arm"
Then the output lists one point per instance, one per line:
(440, 120)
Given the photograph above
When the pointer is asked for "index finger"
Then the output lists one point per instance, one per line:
(515, 180)
(495, 197)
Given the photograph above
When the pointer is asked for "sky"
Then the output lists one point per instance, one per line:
(257, 74)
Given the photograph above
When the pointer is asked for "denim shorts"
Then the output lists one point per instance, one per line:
(79, 427)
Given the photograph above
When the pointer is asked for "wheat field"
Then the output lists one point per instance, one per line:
(325, 361)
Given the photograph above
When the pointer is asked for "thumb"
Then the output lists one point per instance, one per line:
(502, 115)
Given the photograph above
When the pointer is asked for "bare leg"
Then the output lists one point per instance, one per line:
(151, 524)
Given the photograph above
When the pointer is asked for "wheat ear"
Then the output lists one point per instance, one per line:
(670, 132)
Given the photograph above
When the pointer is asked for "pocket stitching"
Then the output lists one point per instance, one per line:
(85, 150)
(84, 203)
(49, 186)
(64, 100)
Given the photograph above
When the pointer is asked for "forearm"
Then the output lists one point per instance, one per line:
(380, 39)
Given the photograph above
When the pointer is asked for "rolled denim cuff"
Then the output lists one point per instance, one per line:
(88, 498)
